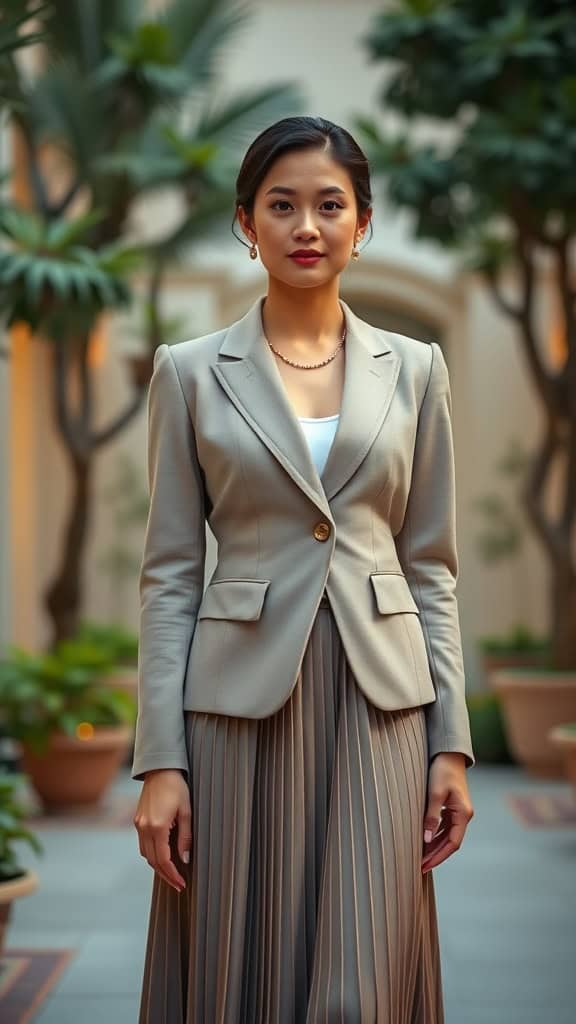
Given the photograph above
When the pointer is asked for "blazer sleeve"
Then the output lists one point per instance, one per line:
(172, 574)
(427, 551)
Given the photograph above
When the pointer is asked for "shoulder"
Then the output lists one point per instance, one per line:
(201, 349)
(421, 358)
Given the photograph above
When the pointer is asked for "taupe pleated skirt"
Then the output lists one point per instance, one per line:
(305, 901)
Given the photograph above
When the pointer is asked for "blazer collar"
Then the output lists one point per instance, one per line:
(247, 371)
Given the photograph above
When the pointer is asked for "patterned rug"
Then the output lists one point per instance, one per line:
(544, 810)
(26, 978)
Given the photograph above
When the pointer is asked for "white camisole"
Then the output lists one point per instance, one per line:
(319, 432)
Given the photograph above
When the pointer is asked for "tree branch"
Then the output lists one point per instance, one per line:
(534, 490)
(86, 393)
(33, 167)
(568, 517)
(63, 420)
(506, 307)
(117, 425)
(567, 299)
(542, 380)
(57, 209)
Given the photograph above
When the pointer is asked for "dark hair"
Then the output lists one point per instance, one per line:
(293, 133)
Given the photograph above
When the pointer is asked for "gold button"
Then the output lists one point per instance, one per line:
(322, 531)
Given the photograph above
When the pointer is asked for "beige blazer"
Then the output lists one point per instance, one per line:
(376, 530)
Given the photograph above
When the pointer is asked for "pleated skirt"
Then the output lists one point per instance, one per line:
(305, 902)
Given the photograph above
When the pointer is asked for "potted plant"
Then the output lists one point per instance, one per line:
(494, 180)
(519, 647)
(15, 881)
(73, 728)
(563, 737)
(120, 646)
(487, 728)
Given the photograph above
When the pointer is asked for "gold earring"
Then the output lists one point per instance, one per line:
(355, 252)
(253, 251)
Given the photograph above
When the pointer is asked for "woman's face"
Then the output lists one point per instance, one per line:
(306, 201)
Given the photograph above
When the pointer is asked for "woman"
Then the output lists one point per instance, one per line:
(302, 730)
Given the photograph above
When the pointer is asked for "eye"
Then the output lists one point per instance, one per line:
(335, 205)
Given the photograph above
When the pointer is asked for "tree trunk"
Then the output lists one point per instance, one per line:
(562, 627)
(64, 595)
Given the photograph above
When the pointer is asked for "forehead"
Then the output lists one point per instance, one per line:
(306, 171)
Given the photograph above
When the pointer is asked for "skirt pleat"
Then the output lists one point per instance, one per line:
(305, 902)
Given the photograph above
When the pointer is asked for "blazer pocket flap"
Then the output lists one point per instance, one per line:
(233, 599)
(393, 593)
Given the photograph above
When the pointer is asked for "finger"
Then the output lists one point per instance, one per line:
(184, 835)
(149, 853)
(164, 863)
(433, 816)
(167, 881)
(450, 842)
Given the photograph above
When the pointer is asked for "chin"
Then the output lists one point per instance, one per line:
(309, 278)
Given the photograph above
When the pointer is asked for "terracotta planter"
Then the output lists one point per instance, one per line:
(532, 702)
(564, 739)
(10, 891)
(77, 771)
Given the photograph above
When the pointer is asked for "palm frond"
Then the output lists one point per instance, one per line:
(66, 108)
(12, 22)
(84, 29)
(230, 123)
(48, 272)
(199, 30)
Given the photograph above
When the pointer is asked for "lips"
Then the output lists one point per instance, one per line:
(306, 257)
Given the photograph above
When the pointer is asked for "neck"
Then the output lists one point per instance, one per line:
(302, 318)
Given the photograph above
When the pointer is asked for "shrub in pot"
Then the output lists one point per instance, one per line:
(15, 881)
(73, 728)
(487, 728)
(517, 648)
(120, 645)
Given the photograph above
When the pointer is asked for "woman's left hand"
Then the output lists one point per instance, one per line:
(449, 808)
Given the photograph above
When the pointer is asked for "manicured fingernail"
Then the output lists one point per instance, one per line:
(427, 835)
(186, 856)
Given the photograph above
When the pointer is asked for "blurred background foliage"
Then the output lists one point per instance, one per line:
(479, 147)
(110, 106)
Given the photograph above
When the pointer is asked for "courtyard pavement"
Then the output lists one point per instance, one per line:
(506, 905)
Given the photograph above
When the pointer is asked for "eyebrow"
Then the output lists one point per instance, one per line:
(285, 191)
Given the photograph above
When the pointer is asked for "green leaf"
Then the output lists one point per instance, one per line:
(65, 232)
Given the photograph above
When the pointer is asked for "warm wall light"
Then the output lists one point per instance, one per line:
(557, 346)
(98, 345)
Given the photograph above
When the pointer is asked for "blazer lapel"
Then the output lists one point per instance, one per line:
(370, 380)
(252, 381)
(248, 373)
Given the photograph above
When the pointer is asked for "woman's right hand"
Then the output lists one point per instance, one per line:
(164, 804)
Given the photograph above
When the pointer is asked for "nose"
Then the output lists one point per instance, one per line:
(306, 228)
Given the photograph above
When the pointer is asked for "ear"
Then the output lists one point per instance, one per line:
(246, 224)
(363, 221)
